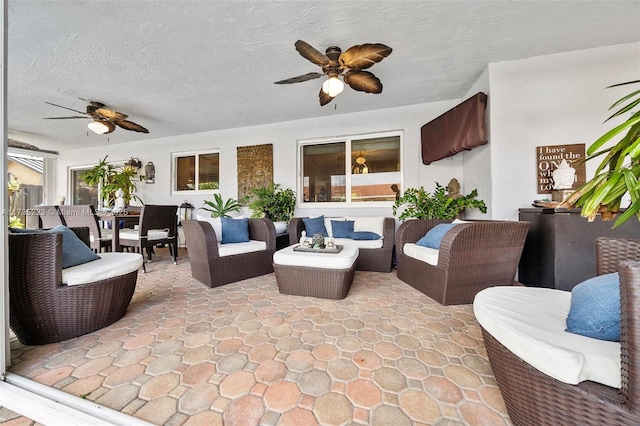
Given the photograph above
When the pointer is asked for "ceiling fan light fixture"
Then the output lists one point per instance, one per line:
(101, 127)
(333, 86)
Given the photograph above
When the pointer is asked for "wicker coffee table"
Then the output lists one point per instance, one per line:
(316, 274)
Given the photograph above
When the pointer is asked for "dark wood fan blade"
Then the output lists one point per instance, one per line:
(300, 78)
(311, 53)
(70, 109)
(110, 114)
(363, 81)
(324, 98)
(130, 125)
(364, 55)
(64, 118)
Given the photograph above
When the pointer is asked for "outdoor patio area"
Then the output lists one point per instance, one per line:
(244, 354)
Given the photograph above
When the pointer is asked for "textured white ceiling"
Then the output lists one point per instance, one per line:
(180, 67)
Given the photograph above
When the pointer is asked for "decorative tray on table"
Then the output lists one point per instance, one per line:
(310, 249)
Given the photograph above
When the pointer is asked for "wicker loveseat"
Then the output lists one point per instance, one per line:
(213, 265)
(533, 397)
(370, 259)
(45, 310)
(472, 256)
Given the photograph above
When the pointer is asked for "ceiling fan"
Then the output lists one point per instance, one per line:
(348, 64)
(104, 121)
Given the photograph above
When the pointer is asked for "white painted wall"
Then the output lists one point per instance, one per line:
(284, 137)
(550, 100)
(547, 100)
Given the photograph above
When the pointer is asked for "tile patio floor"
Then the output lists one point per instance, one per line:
(244, 354)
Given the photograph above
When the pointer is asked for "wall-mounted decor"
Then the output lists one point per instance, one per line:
(549, 158)
(255, 168)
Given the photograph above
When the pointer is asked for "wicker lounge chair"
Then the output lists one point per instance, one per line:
(213, 270)
(378, 260)
(42, 309)
(472, 256)
(533, 398)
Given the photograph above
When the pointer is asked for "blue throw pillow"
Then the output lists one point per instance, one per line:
(315, 225)
(595, 308)
(74, 250)
(364, 235)
(434, 236)
(341, 228)
(235, 230)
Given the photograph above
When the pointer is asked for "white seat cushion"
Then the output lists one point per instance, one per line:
(425, 254)
(134, 234)
(363, 244)
(342, 260)
(239, 248)
(108, 266)
(530, 322)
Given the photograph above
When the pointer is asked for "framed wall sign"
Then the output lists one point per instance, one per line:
(549, 158)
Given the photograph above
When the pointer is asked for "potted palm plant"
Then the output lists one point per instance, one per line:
(619, 171)
(274, 203)
(420, 204)
(220, 208)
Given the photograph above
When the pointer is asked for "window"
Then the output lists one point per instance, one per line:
(81, 192)
(355, 169)
(196, 171)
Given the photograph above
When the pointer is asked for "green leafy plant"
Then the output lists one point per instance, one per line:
(273, 202)
(109, 179)
(220, 208)
(618, 172)
(14, 188)
(420, 204)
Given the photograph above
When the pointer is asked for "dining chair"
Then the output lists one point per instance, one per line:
(50, 216)
(85, 215)
(158, 225)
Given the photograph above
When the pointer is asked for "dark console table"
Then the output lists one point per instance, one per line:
(559, 251)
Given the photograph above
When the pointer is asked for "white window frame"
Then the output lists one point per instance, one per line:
(347, 167)
(174, 171)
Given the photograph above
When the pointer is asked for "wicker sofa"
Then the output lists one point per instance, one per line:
(213, 267)
(370, 259)
(535, 398)
(45, 310)
(472, 256)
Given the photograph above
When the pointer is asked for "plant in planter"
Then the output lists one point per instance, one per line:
(274, 203)
(109, 179)
(420, 204)
(619, 172)
(220, 208)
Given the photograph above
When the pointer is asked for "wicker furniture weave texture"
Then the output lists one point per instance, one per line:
(211, 269)
(472, 257)
(85, 215)
(326, 283)
(377, 260)
(42, 309)
(533, 398)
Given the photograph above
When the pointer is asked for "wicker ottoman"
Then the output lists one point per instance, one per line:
(325, 275)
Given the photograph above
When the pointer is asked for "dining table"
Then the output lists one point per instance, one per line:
(129, 218)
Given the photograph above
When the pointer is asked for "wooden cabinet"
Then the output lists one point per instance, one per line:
(559, 251)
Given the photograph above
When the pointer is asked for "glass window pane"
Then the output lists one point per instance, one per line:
(186, 173)
(82, 192)
(323, 172)
(375, 169)
(208, 171)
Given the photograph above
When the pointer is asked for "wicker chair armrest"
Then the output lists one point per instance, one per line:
(611, 251)
(482, 242)
(263, 230)
(296, 226)
(412, 230)
(389, 232)
(35, 258)
(630, 332)
(201, 239)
